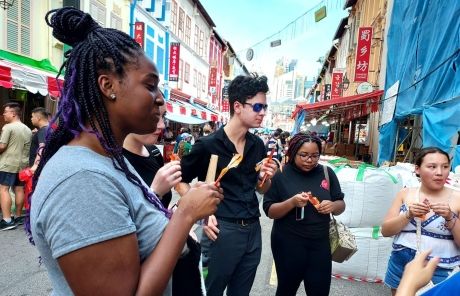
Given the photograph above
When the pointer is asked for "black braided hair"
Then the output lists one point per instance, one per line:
(297, 141)
(95, 50)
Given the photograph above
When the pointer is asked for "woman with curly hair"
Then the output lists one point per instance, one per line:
(99, 228)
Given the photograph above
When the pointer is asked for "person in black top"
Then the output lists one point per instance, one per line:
(300, 243)
(39, 119)
(149, 164)
(235, 230)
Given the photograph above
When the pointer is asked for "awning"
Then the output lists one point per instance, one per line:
(343, 101)
(191, 108)
(13, 75)
(188, 113)
(184, 119)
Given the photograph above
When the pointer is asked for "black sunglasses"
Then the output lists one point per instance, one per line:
(257, 107)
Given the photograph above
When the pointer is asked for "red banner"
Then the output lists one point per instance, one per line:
(203, 115)
(169, 107)
(213, 77)
(225, 106)
(363, 52)
(174, 61)
(336, 84)
(182, 110)
(139, 33)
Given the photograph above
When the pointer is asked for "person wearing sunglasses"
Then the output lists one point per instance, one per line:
(235, 231)
(300, 233)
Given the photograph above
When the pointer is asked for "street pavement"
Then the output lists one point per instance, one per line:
(22, 275)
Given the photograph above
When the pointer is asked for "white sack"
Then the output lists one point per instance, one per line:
(370, 262)
(367, 201)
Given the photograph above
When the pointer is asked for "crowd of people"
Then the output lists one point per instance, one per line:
(102, 191)
(19, 148)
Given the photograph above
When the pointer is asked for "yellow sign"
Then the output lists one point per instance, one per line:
(320, 14)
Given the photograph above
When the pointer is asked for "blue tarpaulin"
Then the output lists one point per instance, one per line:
(424, 55)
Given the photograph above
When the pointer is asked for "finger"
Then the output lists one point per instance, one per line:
(432, 264)
(209, 233)
(422, 256)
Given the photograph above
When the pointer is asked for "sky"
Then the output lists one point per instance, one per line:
(244, 23)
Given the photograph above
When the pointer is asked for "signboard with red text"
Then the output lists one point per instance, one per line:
(139, 33)
(363, 52)
(213, 77)
(174, 61)
(336, 84)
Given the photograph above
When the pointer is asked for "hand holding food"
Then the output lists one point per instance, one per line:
(300, 200)
(442, 209)
(418, 210)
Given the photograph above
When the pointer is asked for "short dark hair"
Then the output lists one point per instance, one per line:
(243, 88)
(15, 106)
(42, 111)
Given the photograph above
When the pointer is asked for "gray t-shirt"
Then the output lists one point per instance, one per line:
(80, 200)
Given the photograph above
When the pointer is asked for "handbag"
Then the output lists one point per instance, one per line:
(342, 241)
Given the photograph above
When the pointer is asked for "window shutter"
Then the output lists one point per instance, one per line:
(12, 32)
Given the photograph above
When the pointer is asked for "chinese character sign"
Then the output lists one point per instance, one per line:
(225, 106)
(336, 84)
(174, 61)
(363, 51)
(327, 91)
(213, 77)
(139, 33)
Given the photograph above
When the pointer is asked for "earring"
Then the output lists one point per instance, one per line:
(113, 96)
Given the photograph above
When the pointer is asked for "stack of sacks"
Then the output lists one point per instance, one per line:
(369, 264)
(369, 193)
(407, 173)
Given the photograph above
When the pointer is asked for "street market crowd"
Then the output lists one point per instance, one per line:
(99, 204)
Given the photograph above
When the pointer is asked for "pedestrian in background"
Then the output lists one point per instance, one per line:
(14, 156)
(39, 120)
(99, 230)
(235, 231)
(438, 208)
(300, 233)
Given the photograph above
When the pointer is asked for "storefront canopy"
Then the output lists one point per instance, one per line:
(188, 113)
(25, 73)
(343, 101)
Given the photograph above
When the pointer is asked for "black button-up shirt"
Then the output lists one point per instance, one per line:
(239, 184)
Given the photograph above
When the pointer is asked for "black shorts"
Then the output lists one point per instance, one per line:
(10, 179)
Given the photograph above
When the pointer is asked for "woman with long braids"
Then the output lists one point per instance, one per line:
(300, 233)
(99, 229)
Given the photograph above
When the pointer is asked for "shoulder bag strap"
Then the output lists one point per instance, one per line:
(326, 175)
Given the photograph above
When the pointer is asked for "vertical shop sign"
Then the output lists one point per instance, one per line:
(174, 61)
(363, 51)
(336, 85)
(225, 105)
(139, 33)
(213, 77)
(328, 91)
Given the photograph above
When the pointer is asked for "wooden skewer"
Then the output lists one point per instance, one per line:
(212, 167)
(265, 176)
(210, 176)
